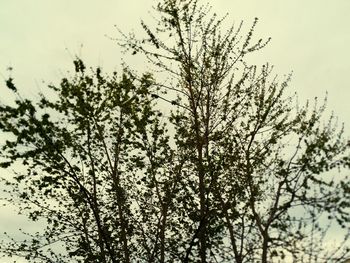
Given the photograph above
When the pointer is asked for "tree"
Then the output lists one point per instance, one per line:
(236, 171)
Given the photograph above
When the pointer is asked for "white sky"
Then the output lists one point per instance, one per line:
(312, 38)
(39, 37)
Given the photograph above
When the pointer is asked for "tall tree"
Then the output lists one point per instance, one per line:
(254, 155)
(235, 171)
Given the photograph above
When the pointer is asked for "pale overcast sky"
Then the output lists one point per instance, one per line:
(39, 37)
(312, 38)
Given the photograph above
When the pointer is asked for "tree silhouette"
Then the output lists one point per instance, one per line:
(234, 170)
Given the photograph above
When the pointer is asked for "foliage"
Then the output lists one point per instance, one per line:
(236, 171)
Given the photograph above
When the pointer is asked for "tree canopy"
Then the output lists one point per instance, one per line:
(215, 163)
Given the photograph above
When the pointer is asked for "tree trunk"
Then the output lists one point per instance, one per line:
(162, 235)
(264, 252)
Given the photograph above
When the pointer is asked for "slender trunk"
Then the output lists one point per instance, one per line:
(101, 236)
(162, 235)
(202, 233)
(123, 234)
(203, 210)
(264, 252)
(199, 141)
(118, 190)
(123, 223)
(93, 203)
(238, 256)
(201, 174)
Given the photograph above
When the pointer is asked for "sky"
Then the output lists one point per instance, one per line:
(39, 38)
(310, 38)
